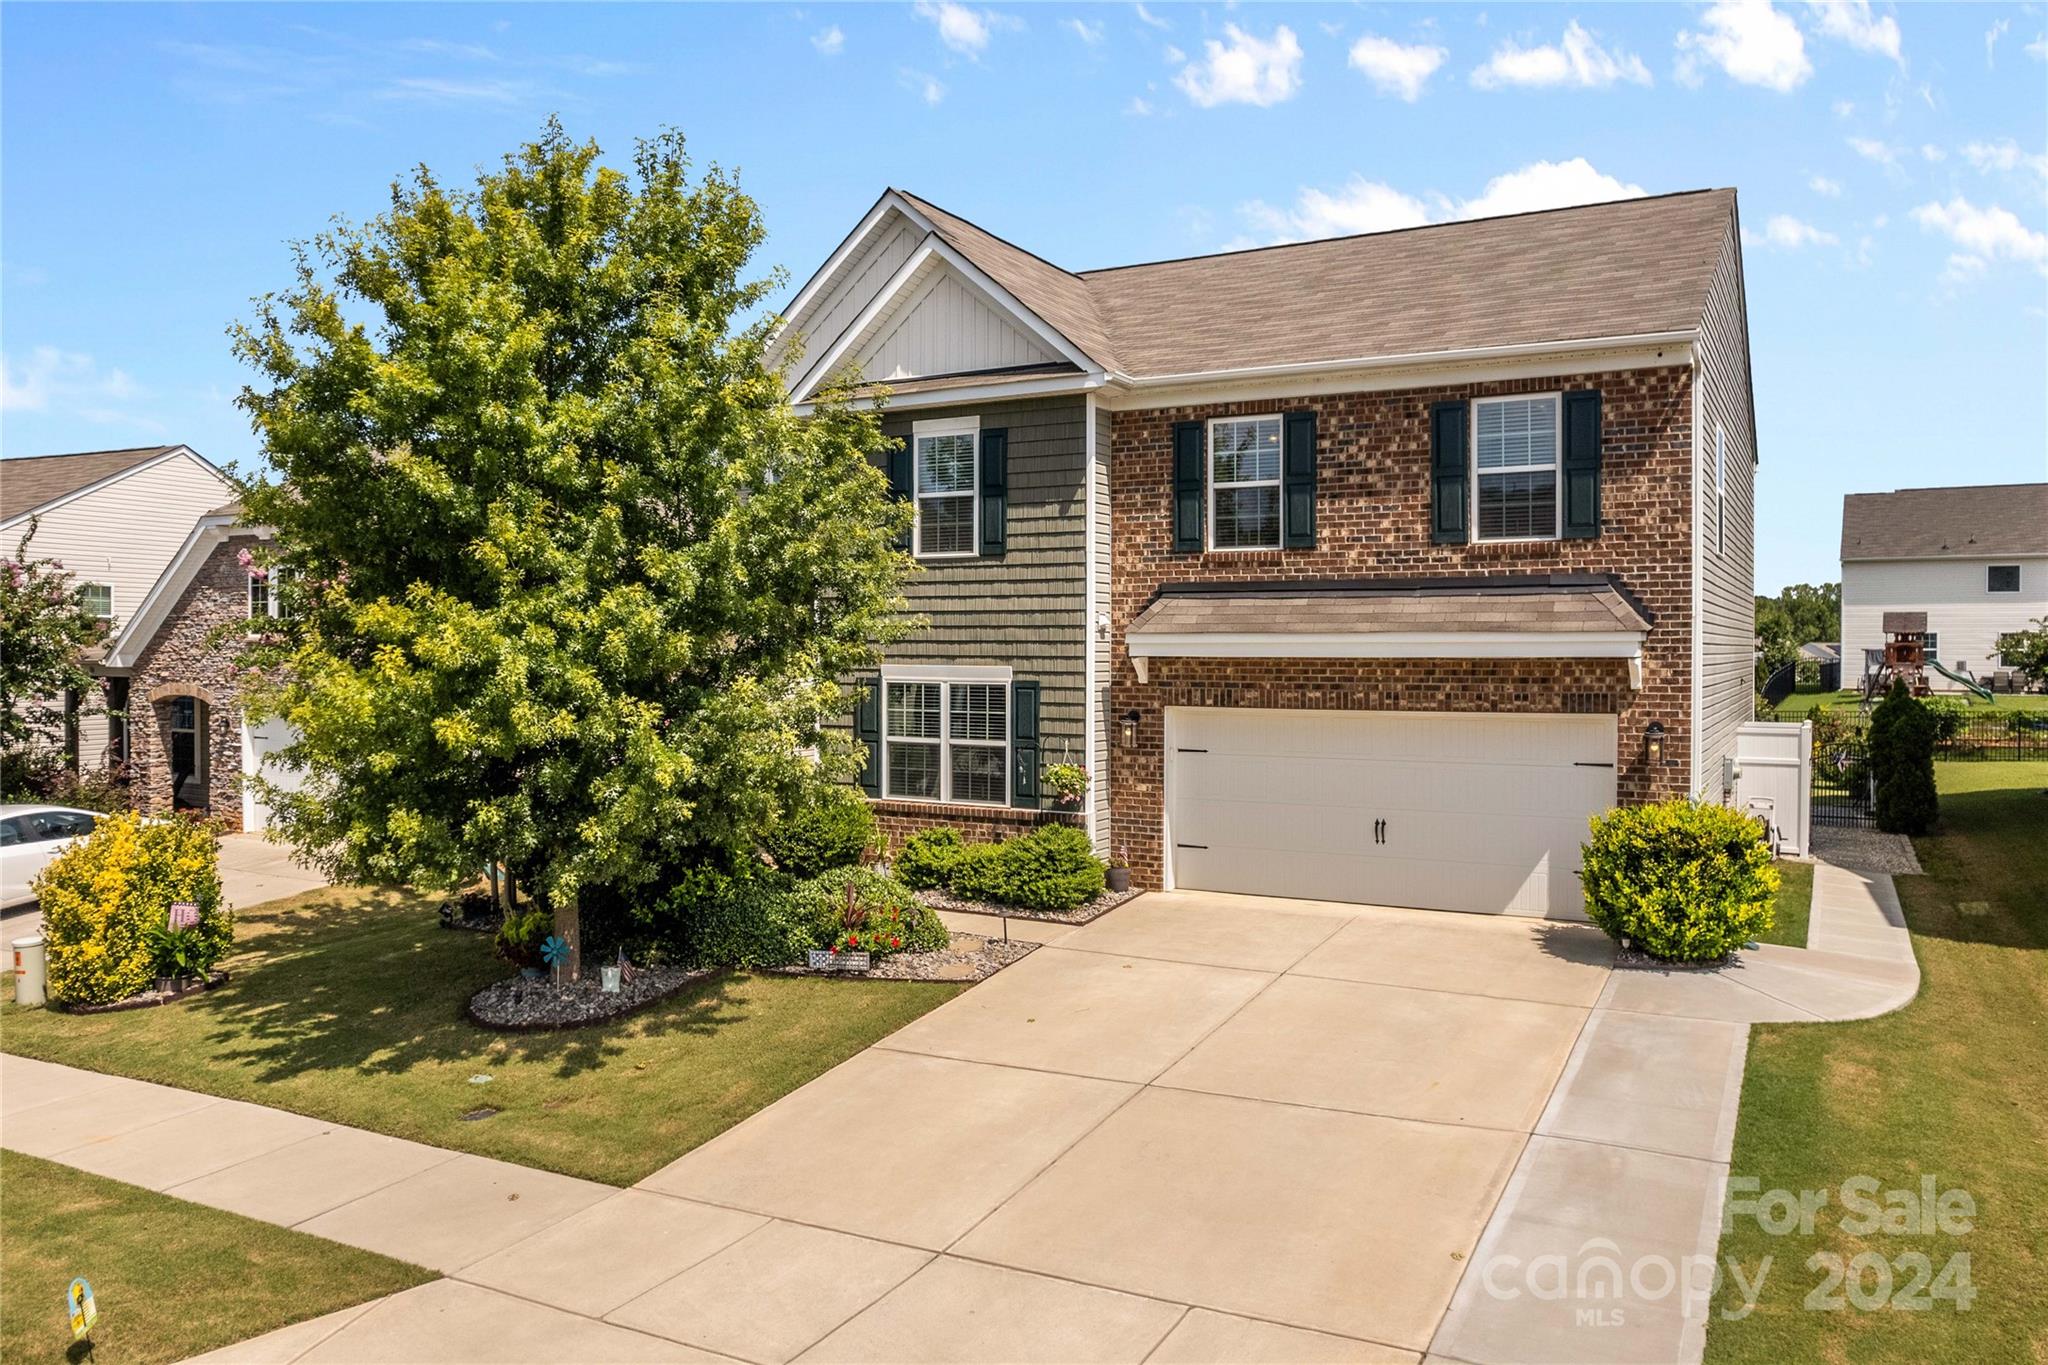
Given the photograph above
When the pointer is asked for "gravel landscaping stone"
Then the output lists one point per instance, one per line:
(518, 1005)
(1080, 914)
(969, 957)
(1862, 849)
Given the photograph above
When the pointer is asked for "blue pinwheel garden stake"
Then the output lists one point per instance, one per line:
(555, 951)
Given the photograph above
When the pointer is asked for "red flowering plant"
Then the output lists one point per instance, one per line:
(860, 910)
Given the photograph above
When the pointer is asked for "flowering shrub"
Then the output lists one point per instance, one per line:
(1679, 880)
(855, 909)
(103, 897)
(1066, 783)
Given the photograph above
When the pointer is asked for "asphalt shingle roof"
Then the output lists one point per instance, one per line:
(31, 481)
(1947, 523)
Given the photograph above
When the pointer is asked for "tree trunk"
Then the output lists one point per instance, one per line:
(568, 924)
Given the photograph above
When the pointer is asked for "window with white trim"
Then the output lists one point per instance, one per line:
(261, 601)
(1720, 490)
(1515, 446)
(946, 741)
(2002, 578)
(98, 599)
(1244, 483)
(946, 475)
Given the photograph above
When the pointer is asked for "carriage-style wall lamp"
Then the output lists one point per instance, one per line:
(1127, 730)
(1653, 743)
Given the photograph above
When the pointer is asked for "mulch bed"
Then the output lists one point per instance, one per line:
(146, 999)
(1080, 914)
(969, 957)
(517, 1005)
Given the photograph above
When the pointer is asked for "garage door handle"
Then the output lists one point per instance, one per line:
(1201, 846)
(1592, 765)
(1191, 751)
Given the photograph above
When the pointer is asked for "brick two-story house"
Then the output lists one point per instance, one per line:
(1362, 569)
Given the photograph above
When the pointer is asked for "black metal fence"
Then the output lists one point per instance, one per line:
(1995, 735)
(1841, 777)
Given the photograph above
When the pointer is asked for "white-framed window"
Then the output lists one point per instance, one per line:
(2002, 578)
(946, 735)
(1244, 483)
(98, 598)
(262, 602)
(1516, 445)
(946, 480)
(1931, 643)
(1720, 490)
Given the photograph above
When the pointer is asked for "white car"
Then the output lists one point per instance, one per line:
(30, 836)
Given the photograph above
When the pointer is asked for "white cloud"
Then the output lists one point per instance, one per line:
(1820, 184)
(1395, 68)
(1961, 269)
(1146, 16)
(1172, 55)
(927, 87)
(1786, 233)
(1750, 41)
(1845, 108)
(1139, 107)
(1991, 36)
(1087, 32)
(1990, 234)
(966, 31)
(1854, 24)
(1932, 152)
(1547, 185)
(1245, 70)
(1870, 149)
(2038, 49)
(2004, 156)
(830, 40)
(71, 384)
(1578, 61)
(1362, 205)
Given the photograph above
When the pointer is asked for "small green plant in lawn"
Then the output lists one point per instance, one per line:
(103, 897)
(1679, 880)
(181, 953)
(927, 858)
(831, 827)
(1903, 732)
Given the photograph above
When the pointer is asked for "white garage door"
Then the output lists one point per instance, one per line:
(1439, 811)
(259, 742)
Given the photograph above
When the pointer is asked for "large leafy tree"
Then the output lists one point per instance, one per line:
(567, 582)
(46, 630)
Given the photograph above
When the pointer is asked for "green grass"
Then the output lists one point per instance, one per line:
(1795, 902)
(1800, 704)
(1954, 1086)
(171, 1279)
(347, 1005)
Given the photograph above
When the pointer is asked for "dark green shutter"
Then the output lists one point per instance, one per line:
(1449, 472)
(867, 728)
(899, 469)
(1298, 480)
(1187, 487)
(1581, 464)
(995, 490)
(1024, 744)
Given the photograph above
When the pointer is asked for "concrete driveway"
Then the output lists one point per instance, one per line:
(1205, 1127)
(254, 870)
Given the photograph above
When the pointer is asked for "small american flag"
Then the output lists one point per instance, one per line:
(184, 914)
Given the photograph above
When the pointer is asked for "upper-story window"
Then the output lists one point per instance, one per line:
(947, 478)
(98, 599)
(1514, 454)
(1244, 483)
(260, 603)
(2002, 578)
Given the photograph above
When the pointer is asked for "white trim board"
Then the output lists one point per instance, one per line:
(136, 633)
(1406, 644)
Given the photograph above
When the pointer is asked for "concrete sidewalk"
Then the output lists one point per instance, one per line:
(1201, 1128)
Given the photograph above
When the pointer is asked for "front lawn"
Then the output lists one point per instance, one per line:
(171, 1279)
(347, 1005)
(1795, 903)
(1952, 1089)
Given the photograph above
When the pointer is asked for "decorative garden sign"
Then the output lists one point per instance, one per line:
(84, 1312)
(825, 960)
(184, 915)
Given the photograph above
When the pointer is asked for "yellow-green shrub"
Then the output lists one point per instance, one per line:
(102, 896)
(1679, 880)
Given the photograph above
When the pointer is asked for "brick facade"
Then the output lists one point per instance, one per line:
(1373, 493)
(984, 824)
(191, 655)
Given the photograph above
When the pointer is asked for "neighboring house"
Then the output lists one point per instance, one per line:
(1363, 569)
(1975, 559)
(114, 518)
(190, 745)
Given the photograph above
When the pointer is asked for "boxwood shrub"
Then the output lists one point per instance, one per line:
(1051, 868)
(928, 857)
(1903, 732)
(886, 918)
(1679, 880)
(831, 827)
(102, 897)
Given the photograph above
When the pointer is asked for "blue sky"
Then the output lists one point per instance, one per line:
(156, 160)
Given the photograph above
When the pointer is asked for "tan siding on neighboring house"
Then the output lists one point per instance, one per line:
(1725, 566)
(123, 535)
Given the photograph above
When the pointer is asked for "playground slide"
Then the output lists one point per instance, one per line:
(1968, 684)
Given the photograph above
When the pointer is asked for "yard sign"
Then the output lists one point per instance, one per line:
(84, 1312)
